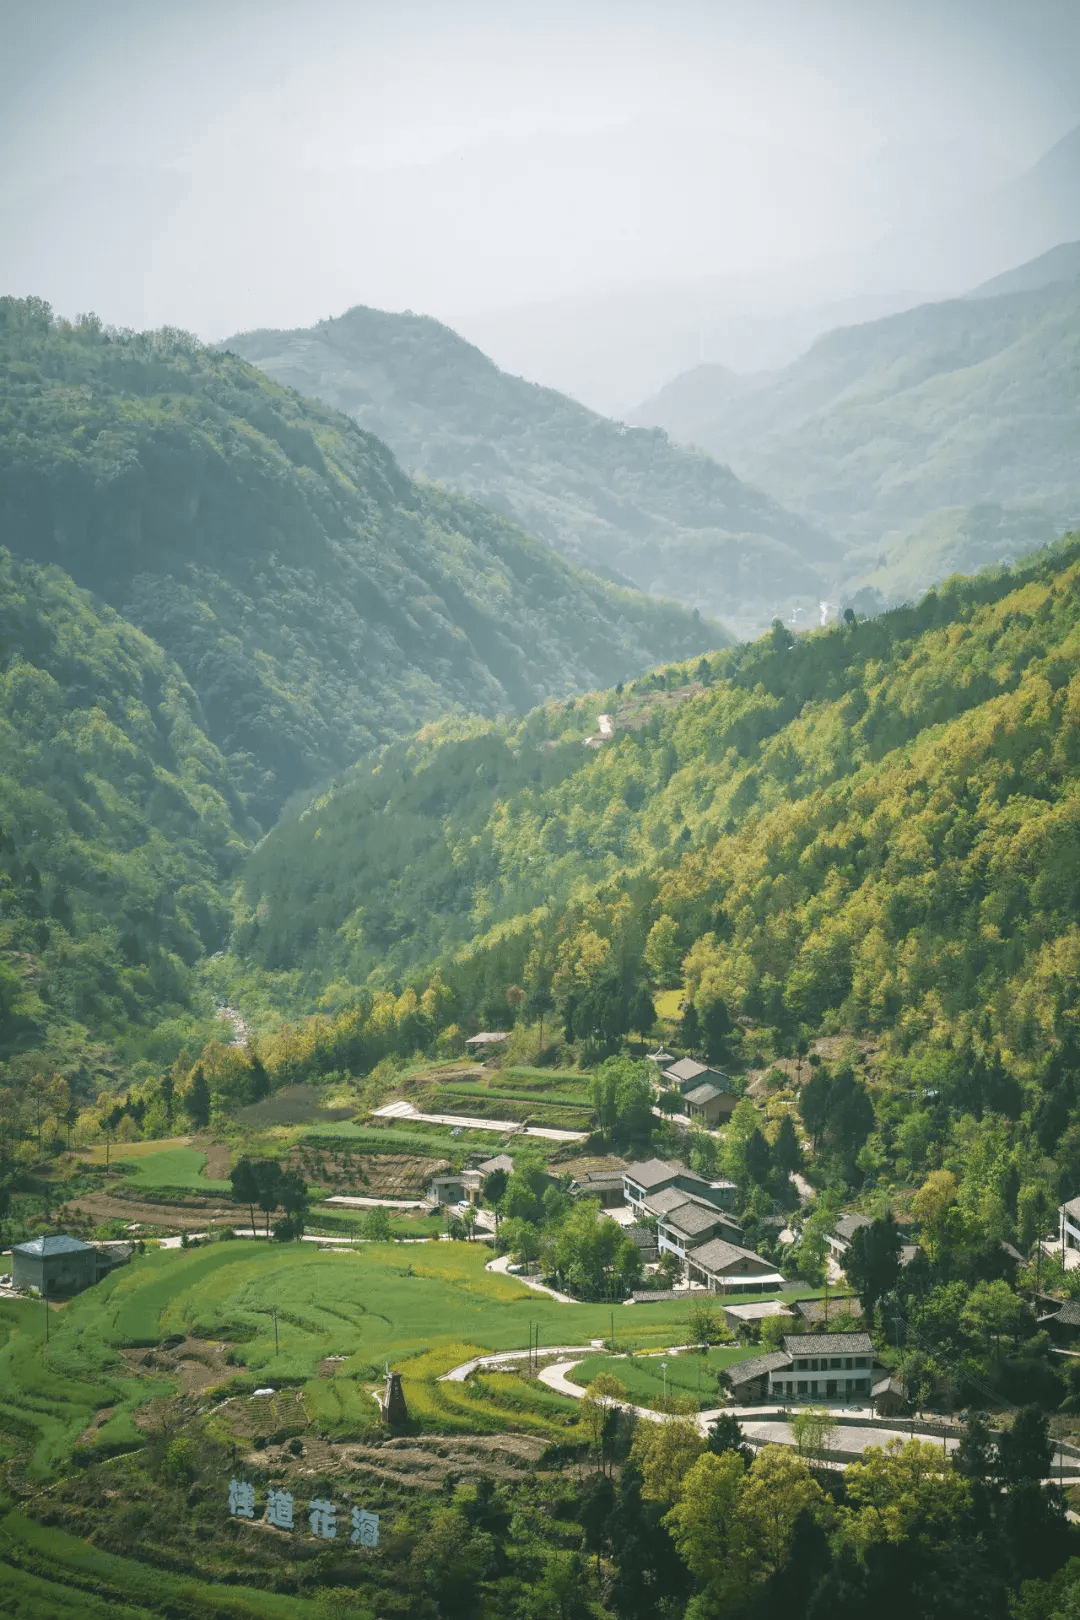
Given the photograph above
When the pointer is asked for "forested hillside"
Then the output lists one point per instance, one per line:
(942, 438)
(872, 828)
(318, 600)
(624, 502)
(120, 828)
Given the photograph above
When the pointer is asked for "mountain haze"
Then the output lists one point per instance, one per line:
(318, 600)
(904, 434)
(621, 501)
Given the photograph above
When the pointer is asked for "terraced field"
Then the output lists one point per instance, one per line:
(423, 1309)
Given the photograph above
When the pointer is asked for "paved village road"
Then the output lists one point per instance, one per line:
(405, 1110)
(502, 1264)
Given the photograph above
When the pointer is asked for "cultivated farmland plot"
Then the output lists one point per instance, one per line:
(421, 1310)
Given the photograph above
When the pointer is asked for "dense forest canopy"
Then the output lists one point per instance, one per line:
(120, 830)
(872, 827)
(318, 600)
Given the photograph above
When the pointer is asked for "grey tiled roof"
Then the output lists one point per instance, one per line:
(704, 1094)
(813, 1310)
(888, 1386)
(692, 1219)
(847, 1225)
(663, 1202)
(501, 1161)
(651, 1172)
(828, 1344)
(718, 1254)
(686, 1069)
(641, 1237)
(1068, 1316)
(741, 1372)
(598, 1181)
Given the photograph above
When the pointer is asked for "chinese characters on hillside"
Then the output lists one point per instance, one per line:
(322, 1514)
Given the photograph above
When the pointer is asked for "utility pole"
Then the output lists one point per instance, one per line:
(45, 1297)
(275, 1331)
(613, 1330)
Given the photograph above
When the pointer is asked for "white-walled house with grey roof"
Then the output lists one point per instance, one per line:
(648, 1177)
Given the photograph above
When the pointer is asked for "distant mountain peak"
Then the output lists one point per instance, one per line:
(618, 499)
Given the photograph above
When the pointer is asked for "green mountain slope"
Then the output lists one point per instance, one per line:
(120, 829)
(626, 503)
(874, 828)
(318, 600)
(953, 419)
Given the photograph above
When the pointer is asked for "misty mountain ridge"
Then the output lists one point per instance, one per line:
(941, 438)
(621, 501)
(615, 345)
(1060, 264)
(319, 602)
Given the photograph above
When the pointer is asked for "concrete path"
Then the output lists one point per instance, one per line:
(466, 1122)
(502, 1263)
(348, 1202)
(504, 1358)
(759, 1429)
(775, 1432)
(246, 1232)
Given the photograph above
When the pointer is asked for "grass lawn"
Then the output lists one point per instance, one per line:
(171, 1167)
(668, 1003)
(688, 1374)
(121, 1152)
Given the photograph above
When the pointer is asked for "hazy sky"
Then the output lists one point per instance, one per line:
(247, 162)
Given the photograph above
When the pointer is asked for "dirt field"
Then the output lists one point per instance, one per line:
(366, 1175)
(191, 1216)
(218, 1161)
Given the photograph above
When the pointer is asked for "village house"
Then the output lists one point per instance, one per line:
(489, 1040)
(606, 1185)
(689, 1223)
(644, 1180)
(811, 1367)
(888, 1397)
(824, 1366)
(753, 1313)
(445, 1190)
(1063, 1324)
(663, 1204)
(1069, 1224)
(844, 1229)
(817, 1313)
(726, 1268)
(58, 1264)
(706, 1093)
(748, 1381)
